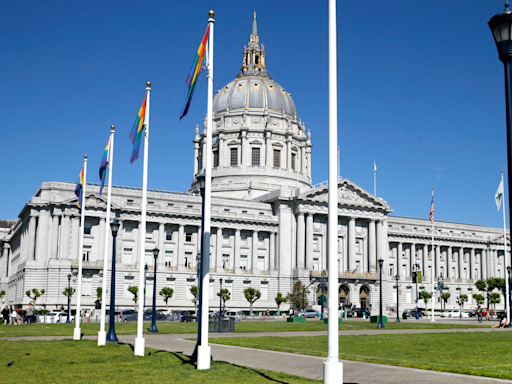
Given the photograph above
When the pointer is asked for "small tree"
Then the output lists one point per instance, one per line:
(97, 302)
(280, 299)
(494, 298)
(499, 283)
(486, 286)
(425, 296)
(167, 293)
(134, 290)
(478, 298)
(193, 291)
(34, 295)
(2, 294)
(461, 300)
(295, 297)
(225, 297)
(251, 295)
(71, 292)
(445, 296)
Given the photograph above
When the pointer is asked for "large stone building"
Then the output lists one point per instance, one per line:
(269, 223)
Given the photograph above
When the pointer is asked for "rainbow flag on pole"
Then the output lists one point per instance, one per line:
(195, 71)
(136, 132)
(79, 187)
(103, 166)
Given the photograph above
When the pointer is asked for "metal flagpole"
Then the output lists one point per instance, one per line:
(505, 252)
(139, 340)
(333, 368)
(76, 331)
(374, 178)
(432, 269)
(204, 350)
(102, 335)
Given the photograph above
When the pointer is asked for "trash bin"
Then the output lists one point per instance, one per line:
(404, 316)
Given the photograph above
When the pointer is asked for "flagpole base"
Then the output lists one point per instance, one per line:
(333, 371)
(203, 357)
(76, 334)
(102, 338)
(139, 349)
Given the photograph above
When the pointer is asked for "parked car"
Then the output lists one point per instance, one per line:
(454, 313)
(412, 313)
(310, 313)
(185, 316)
(61, 317)
(124, 316)
(237, 315)
(359, 311)
(473, 313)
(148, 315)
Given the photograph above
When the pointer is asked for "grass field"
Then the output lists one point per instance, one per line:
(68, 361)
(474, 353)
(244, 326)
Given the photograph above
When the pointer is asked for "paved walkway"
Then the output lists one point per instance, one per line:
(308, 366)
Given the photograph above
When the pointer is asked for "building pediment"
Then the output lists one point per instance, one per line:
(349, 194)
(91, 201)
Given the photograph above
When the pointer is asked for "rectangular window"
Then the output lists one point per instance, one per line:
(234, 157)
(168, 258)
(168, 236)
(148, 257)
(408, 296)
(229, 287)
(225, 239)
(215, 158)
(86, 285)
(188, 259)
(264, 290)
(293, 161)
(211, 290)
(225, 261)
(315, 243)
(86, 252)
(315, 264)
(243, 240)
(255, 157)
(87, 228)
(391, 270)
(261, 263)
(243, 261)
(128, 232)
(261, 241)
(127, 256)
(188, 237)
(128, 281)
(149, 234)
(277, 158)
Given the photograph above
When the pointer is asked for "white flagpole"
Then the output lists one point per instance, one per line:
(102, 335)
(139, 347)
(339, 164)
(76, 331)
(333, 368)
(507, 298)
(432, 269)
(374, 178)
(204, 350)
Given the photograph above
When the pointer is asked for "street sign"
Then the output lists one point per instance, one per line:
(418, 277)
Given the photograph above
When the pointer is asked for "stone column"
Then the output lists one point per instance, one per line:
(303, 167)
(4, 271)
(75, 233)
(218, 249)
(64, 236)
(244, 158)
(352, 244)
(413, 257)
(472, 264)
(308, 151)
(272, 251)
(380, 245)
(222, 151)
(203, 153)
(101, 242)
(31, 237)
(237, 252)
(161, 246)
(54, 245)
(448, 262)
(180, 246)
(372, 247)
(254, 251)
(42, 236)
(424, 261)
(300, 240)
(437, 260)
(289, 152)
(196, 157)
(461, 262)
(268, 150)
(309, 241)
(484, 263)
(491, 272)
(399, 260)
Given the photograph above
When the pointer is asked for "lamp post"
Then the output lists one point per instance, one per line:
(220, 304)
(322, 298)
(440, 280)
(397, 277)
(153, 329)
(111, 335)
(509, 270)
(500, 25)
(381, 323)
(144, 293)
(69, 297)
(416, 268)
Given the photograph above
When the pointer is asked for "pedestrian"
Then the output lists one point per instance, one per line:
(290, 312)
(12, 314)
(30, 313)
(479, 313)
(5, 315)
(19, 316)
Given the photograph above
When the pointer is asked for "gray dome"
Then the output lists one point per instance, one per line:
(254, 93)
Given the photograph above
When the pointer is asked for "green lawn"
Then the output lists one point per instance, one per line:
(68, 361)
(474, 353)
(244, 326)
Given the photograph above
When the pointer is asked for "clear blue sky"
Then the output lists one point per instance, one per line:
(420, 89)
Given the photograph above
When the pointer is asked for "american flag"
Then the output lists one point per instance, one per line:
(432, 208)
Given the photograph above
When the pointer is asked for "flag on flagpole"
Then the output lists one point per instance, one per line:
(136, 132)
(432, 208)
(195, 71)
(499, 195)
(103, 166)
(79, 187)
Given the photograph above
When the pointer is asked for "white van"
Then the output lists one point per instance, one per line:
(236, 314)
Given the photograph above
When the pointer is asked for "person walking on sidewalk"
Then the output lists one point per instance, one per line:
(30, 313)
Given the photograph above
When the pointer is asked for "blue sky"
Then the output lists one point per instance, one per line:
(420, 89)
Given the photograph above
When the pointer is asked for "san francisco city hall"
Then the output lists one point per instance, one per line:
(269, 223)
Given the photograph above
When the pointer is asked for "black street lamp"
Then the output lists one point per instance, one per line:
(69, 296)
(440, 280)
(153, 329)
(220, 303)
(322, 298)
(146, 268)
(381, 323)
(397, 277)
(416, 267)
(509, 270)
(111, 335)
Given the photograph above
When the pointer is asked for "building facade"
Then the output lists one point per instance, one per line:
(269, 224)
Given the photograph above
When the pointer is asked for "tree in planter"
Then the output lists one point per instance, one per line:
(494, 298)
(193, 291)
(34, 295)
(251, 296)
(445, 296)
(478, 298)
(134, 290)
(167, 293)
(295, 297)
(280, 299)
(486, 286)
(225, 297)
(461, 300)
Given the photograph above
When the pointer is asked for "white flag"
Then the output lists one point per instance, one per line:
(374, 166)
(499, 195)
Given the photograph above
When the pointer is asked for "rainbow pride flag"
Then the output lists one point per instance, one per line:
(195, 71)
(136, 132)
(103, 166)
(79, 187)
